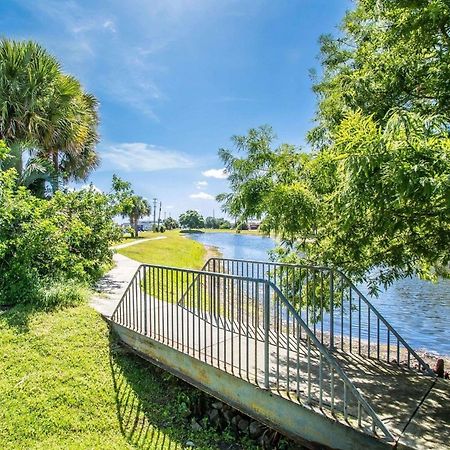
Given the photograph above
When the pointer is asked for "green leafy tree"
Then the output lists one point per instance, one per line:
(191, 219)
(391, 54)
(375, 203)
(170, 223)
(374, 197)
(223, 224)
(211, 222)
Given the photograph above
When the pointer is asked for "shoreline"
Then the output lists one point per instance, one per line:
(212, 251)
(429, 356)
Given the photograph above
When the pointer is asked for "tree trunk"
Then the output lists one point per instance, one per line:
(134, 224)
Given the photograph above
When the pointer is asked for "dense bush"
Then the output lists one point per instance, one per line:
(45, 243)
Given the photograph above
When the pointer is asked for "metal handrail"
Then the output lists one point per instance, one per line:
(332, 361)
(361, 296)
(134, 304)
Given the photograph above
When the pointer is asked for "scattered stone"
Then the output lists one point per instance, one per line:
(190, 444)
(217, 405)
(243, 425)
(213, 415)
(235, 420)
(255, 429)
(228, 415)
(195, 425)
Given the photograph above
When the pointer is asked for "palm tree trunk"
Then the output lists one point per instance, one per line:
(134, 225)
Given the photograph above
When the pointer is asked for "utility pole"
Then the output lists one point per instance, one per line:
(159, 215)
(154, 211)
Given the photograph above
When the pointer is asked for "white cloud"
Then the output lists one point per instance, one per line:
(109, 25)
(201, 184)
(215, 173)
(142, 157)
(202, 196)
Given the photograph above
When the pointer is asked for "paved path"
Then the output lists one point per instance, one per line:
(111, 287)
(137, 241)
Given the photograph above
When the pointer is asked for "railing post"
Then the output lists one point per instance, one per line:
(266, 335)
(145, 300)
(331, 309)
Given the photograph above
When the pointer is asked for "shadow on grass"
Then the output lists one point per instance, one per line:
(149, 401)
(19, 316)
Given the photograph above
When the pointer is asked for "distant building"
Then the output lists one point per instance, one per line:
(253, 224)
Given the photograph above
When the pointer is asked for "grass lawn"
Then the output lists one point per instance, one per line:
(66, 384)
(176, 250)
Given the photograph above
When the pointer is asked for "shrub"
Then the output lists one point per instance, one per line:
(43, 242)
(61, 294)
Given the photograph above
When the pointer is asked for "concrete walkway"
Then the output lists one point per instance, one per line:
(110, 288)
(137, 241)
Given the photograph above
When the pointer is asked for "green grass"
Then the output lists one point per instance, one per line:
(176, 250)
(66, 383)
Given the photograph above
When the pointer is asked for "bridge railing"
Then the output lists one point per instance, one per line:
(336, 311)
(245, 326)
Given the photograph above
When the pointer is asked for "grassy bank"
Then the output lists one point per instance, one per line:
(175, 250)
(65, 383)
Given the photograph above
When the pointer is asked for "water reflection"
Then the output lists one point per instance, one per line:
(419, 310)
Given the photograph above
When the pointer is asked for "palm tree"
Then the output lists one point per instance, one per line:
(46, 112)
(139, 208)
(70, 136)
(28, 77)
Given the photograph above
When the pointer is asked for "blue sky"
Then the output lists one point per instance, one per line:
(176, 78)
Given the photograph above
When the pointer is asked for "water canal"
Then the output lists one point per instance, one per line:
(418, 309)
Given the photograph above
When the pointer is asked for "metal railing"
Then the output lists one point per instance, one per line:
(244, 325)
(336, 311)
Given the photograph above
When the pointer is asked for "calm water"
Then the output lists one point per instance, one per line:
(419, 310)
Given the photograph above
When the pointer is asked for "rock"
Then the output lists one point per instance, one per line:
(235, 420)
(228, 415)
(216, 419)
(195, 426)
(255, 429)
(213, 415)
(217, 405)
(243, 425)
(265, 440)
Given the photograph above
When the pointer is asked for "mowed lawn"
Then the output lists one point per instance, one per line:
(175, 250)
(65, 383)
